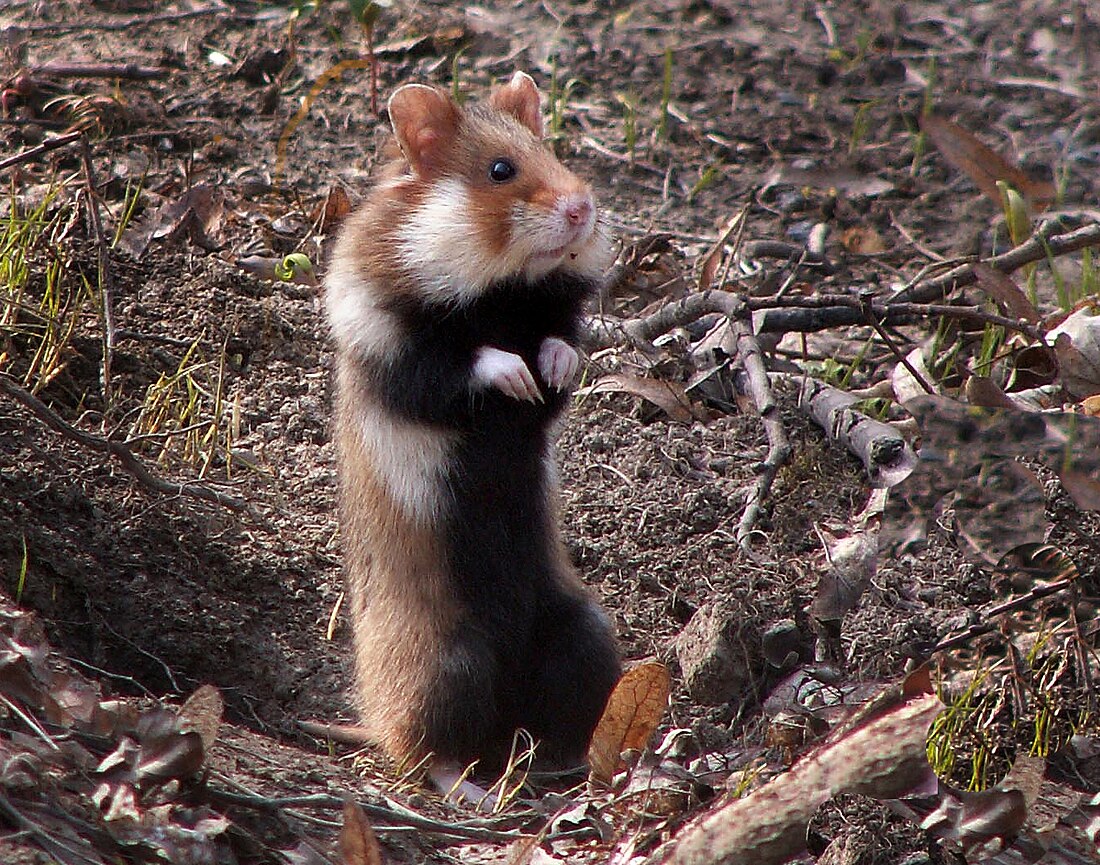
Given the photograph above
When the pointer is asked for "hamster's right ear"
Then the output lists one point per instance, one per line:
(425, 121)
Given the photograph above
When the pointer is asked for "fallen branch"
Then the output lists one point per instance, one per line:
(823, 311)
(879, 752)
(787, 315)
(123, 454)
(885, 455)
(1045, 242)
(44, 147)
(607, 330)
(779, 448)
(100, 70)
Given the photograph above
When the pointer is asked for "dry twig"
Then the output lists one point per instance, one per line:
(123, 454)
(103, 268)
(100, 70)
(44, 147)
(1046, 241)
(779, 448)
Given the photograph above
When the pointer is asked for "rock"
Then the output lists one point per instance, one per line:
(713, 654)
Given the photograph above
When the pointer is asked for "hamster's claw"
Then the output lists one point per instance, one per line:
(507, 372)
(558, 362)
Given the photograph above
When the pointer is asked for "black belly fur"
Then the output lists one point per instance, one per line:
(528, 652)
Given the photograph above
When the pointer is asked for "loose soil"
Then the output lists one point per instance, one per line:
(803, 112)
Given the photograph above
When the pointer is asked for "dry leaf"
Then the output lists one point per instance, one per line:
(863, 240)
(983, 165)
(1076, 344)
(332, 212)
(983, 391)
(668, 396)
(358, 844)
(202, 713)
(196, 215)
(905, 385)
(708, 268)
(633, 711)
(1034, 366)
(1083, 489)
(852, 564)
(523, 851)
(1005, 292)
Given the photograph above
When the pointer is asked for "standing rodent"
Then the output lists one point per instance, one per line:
(455, 295)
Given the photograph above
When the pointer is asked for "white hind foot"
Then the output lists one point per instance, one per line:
(450, 781)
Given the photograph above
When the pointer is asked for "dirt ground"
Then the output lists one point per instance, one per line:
(680, 114)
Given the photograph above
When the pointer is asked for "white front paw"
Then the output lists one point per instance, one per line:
(558, 362)
(507, 372)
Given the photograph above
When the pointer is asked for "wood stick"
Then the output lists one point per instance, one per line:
(123, 454)
(45, 146)
(100, 70)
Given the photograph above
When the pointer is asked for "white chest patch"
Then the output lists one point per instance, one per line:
(410, 459)
(357, 324)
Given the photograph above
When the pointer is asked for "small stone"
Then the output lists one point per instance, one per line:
(713, 664)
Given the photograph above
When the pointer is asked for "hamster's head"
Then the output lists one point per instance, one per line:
(486, 200)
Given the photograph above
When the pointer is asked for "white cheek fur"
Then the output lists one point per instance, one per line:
(438, 242)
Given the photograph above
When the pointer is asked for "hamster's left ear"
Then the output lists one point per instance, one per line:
(520, 98)
(426, 122)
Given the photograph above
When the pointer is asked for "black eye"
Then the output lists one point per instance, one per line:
(501, 171)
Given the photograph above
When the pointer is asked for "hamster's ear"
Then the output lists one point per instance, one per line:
(425, 121)
(520, 98)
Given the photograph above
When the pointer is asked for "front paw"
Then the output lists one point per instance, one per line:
(507, 372)
(558, 362)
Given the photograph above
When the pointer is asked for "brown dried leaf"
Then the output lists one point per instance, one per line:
(981, 823)
(166, 752)
(668, 396)
(333, 211)
(1005, 292)
(1033, 366)
(853, 563)
(863, 240)
(983, 165)
(633, 711)
(178, 757)
(1077, 347)
(196, 215)
(358, 844)
(1083, 489)
(708, 268)
(523, 851)
(202, 713)
(983, 391)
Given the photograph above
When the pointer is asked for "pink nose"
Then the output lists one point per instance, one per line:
(578, 210)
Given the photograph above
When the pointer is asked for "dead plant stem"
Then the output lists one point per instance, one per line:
(121, 453)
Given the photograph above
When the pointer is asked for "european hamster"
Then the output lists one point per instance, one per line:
(455, 295)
